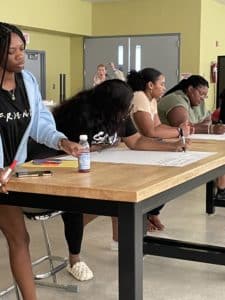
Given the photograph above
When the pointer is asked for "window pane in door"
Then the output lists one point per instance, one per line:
(120, 55)
(138, 58)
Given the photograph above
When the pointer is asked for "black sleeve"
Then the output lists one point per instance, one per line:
(222, 112)
(39, 151)
(128, 128)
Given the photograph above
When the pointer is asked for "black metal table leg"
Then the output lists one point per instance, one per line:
(130, 252)
(210, 198)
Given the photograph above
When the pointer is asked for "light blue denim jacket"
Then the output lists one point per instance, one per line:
(42, 125)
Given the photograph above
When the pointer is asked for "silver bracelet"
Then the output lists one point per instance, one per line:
(211, 131)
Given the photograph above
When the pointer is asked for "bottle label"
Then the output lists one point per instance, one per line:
(84, 161)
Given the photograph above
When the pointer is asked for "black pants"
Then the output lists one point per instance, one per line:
(73, 222)
(73, 228)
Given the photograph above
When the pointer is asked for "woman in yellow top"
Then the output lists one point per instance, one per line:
(148, 86)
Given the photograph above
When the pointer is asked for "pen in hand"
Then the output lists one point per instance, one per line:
(183, 139)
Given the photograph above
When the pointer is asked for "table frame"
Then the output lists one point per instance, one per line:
(130, 221)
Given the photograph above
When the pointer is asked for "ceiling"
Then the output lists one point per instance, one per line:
(220, 1)
(103, 0)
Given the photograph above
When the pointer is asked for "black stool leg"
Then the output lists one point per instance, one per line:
(210, 197)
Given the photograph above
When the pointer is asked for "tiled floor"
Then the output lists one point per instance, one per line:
(164, 279)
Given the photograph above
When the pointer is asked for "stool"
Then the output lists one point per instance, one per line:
(9, 289)
(61, 262)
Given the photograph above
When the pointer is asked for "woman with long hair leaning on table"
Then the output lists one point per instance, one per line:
(103, 114)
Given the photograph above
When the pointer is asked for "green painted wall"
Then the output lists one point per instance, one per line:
(54, 26)
(137, 17)
(200, 22)
(57, 50)
(76, 64)
(69, 16)
(58, 27)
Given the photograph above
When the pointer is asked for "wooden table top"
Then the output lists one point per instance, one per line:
(124, 182)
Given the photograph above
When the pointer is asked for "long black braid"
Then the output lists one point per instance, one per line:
(194, 81)
(5, 39)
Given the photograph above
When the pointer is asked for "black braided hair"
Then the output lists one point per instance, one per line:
(5, 39)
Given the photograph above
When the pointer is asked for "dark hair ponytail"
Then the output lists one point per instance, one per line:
(135, 81)
(139, 80)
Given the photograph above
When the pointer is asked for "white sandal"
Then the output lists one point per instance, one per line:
(80, 271)
(114, 245)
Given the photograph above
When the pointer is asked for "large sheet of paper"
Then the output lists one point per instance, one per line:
(217, 137)
(154, 158)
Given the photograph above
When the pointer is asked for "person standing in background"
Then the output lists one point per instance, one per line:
(118, 74)
(22, 114)
(101, 74)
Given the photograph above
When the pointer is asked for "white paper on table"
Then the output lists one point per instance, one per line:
(158, 158)
(217, 137)
(154, 158)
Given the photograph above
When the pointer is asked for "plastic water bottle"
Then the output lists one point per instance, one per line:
(84, 160)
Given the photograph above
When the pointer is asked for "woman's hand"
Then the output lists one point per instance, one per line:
(70, 147)
(112, 66)
(180, 146)
(217, 129)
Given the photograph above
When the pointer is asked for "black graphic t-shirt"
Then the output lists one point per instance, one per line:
(15, 116)
(127, 129)
(96, 133)
(101, 137)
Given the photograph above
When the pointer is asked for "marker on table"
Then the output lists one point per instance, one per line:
(182, 138)
(46, 161)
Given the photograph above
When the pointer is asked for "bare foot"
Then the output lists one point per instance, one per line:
(151, 227)
(154, 223)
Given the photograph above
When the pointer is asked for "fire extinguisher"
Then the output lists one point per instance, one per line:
(213, 72)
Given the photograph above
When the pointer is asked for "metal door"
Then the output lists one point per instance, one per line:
(157, 51)
(35, 63)
(103, 51)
